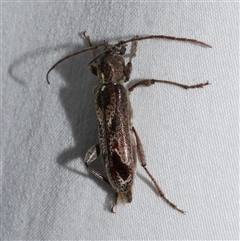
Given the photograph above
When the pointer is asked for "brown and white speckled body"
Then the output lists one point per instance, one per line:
(116, 139)
(119, 143)
(114, 113)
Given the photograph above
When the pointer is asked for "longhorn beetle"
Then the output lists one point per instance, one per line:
(119, 143)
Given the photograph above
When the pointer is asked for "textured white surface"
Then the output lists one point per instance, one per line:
(191, 138)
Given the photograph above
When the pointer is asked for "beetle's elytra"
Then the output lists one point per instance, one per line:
(119, 144)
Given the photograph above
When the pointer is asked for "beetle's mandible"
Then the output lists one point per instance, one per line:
(119, 144)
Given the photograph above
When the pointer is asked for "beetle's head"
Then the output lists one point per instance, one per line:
(119, 49)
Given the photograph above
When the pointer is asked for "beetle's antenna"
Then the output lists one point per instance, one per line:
(71, 55)
(166, 37)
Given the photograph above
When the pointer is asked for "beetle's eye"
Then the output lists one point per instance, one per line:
(122, 50)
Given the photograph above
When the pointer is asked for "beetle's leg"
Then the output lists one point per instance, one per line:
(142, 159)
(89, 42)
(93, 69)
(87, 38)
(113, 208)
(128, 67)
(91, 156)
(121, 197)
(133, 51)
(148, 82)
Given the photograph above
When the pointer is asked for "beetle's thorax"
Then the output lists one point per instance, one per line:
(111, 68)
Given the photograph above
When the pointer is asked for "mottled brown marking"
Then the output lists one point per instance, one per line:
(119, 167)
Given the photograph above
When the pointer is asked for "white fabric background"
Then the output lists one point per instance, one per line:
(191, 138)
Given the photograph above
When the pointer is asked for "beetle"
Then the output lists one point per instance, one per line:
(119, 143)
